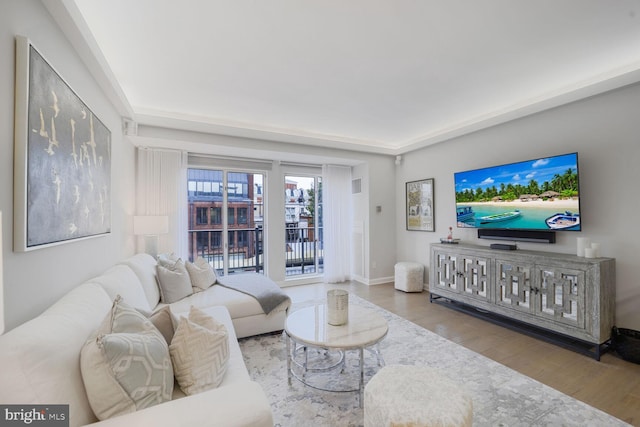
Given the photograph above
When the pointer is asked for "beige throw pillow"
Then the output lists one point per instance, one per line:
(199, 352)
(126, 366)
(202, 275)
(174, 281)
(164, 321)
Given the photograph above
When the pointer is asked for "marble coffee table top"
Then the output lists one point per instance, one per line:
(309, 326)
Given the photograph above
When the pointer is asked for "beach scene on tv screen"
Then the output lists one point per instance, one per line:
(539, 194)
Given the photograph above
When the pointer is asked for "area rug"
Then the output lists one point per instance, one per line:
(501, 396)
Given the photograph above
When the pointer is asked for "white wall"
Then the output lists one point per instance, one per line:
(604, 130)
(33, 280)
(382, 235)
(361, 225)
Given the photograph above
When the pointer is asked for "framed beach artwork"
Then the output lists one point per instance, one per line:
(62, 181)
(419, 195)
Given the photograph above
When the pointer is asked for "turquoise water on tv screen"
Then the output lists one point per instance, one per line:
(532, 218)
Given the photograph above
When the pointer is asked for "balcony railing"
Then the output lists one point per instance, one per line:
(304, 253)
(244, 253)
(304, 250)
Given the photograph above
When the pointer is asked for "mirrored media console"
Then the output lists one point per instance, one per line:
(561, 298)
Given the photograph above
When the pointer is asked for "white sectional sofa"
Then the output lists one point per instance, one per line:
(40, 359)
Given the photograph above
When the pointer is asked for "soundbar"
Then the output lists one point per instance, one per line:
(503, 246)
(517, 235)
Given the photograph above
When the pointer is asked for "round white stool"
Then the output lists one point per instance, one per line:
(409, 276)
(416, 396)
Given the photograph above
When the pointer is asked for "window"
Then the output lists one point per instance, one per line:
(216, 240)
(290, 214)
(216, 215)
(303, 225)
(204, 184)
(232, 244)
(242, 215)
(238, 185)
(203, 241)
(231, 216)
(201, 216)
(243, 240)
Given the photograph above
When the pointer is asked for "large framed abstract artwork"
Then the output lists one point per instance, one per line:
(420, 205)
(62, 165)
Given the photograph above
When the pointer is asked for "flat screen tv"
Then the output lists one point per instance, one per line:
(537, 195)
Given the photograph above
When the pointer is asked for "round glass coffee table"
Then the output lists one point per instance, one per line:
(307, 329)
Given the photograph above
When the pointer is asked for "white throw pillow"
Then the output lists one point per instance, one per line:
(174, 281)
(199, 352)
(170, 258)
(202, 275)
(126, 366)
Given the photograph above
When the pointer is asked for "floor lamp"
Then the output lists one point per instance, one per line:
(150, 226)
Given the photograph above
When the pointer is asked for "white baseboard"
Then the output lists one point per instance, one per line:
(373, 282)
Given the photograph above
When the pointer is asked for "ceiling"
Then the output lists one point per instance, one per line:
(386, 76)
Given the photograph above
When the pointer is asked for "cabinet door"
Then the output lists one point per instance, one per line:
(513, 285)
(466, 274)
(473, 275)
(560, 295)
(444, 272)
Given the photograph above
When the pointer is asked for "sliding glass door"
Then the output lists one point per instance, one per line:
(304, 252)
(226, 219)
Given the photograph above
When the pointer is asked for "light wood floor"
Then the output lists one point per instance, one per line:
(611, 385)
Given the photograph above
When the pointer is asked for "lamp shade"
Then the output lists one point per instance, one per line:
(149, 225)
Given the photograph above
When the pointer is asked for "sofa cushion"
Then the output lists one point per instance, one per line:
(174, 281)
(126, 366)
(40, 359)
(144, 266)
(202, 275)
(121, 280)
(238, 303)
(200, 352)
(241, 404)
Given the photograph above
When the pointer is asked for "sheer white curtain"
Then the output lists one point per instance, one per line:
(162, 190)
(336, 217)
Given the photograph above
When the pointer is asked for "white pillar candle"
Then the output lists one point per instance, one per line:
(583, 242)
(337, 307)
(596, 249)
(589, 253)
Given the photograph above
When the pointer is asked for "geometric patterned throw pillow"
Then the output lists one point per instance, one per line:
(126, 366)
(201, 318)
(199, 352)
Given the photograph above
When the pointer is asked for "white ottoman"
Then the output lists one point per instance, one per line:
(415, 396)
(409, 276)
